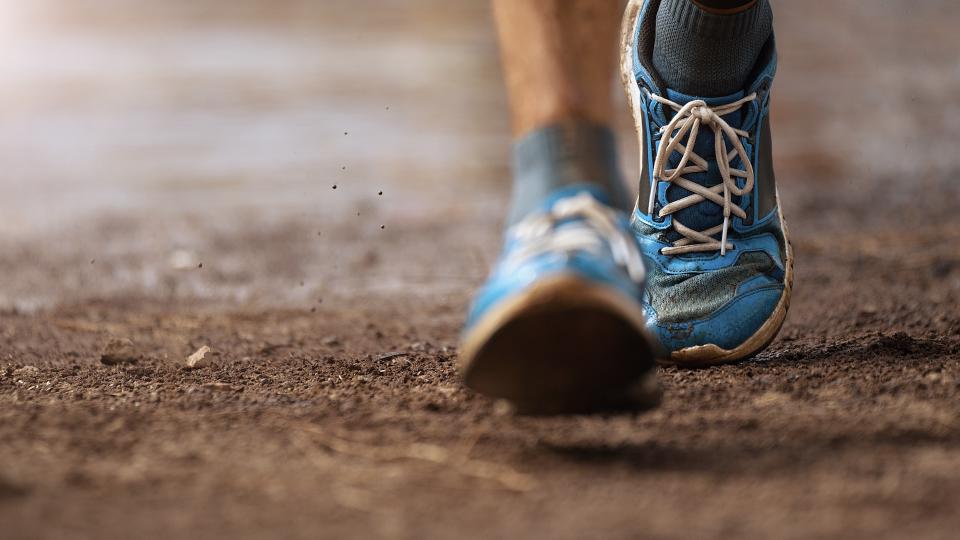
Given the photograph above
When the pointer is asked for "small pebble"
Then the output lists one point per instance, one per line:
(199, 359)
(119, 351)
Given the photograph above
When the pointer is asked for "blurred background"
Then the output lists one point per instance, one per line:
(142, 139)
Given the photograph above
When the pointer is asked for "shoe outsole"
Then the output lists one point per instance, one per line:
(566, 345)
(709, 354)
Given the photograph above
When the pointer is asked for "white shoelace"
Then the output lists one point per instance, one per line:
(685, 125)
(538, 234)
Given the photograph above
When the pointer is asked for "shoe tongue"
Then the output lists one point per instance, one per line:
(706, 214)
(682, 99)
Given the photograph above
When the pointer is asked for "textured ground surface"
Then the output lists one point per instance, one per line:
(168, 173)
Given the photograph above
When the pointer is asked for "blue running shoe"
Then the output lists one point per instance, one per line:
(558, 327)
(708, 217)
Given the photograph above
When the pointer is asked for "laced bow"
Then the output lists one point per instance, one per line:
(598, 226)
(685, 126)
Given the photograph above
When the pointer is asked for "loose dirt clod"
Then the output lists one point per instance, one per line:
(26, 371)
(119, 351)
(199, 359)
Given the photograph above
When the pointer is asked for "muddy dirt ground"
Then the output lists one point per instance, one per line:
(168, 173)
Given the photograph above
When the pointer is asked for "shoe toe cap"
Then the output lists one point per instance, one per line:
(727, 328)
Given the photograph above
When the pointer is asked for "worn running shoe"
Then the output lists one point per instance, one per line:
(708, 217)
(558, 327)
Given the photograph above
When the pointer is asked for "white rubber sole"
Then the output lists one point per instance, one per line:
(709, 354)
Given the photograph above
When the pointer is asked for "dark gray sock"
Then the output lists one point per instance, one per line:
(561, 155)
(705, 54)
